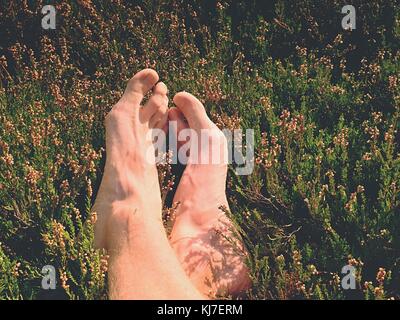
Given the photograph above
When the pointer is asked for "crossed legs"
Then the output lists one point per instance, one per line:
(196, 262)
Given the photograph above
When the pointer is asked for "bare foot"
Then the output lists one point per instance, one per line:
(201, 230)
(130, 181)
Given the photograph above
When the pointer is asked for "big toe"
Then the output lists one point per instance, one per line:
(193, 110)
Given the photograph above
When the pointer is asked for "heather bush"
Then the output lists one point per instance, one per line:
(324, 104)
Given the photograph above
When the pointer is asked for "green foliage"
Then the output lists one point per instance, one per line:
(324, 104)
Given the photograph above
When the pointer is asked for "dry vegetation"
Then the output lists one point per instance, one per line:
(324, 103)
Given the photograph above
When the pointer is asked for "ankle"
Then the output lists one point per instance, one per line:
(126, 220)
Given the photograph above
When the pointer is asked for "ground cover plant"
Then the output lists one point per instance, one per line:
(324, 103)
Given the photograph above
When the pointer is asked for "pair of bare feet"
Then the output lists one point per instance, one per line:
(201, 258)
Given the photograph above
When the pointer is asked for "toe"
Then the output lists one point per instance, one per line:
(177, 123)
(160, 88)
(140, 85)
(155, 111)
(157, 105)
(174, 114)
(159, 119)
(192, 109)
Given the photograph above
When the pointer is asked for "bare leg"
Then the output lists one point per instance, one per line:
(142, 263)
(199, 235)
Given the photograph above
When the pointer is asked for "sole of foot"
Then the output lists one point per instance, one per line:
(203, 236)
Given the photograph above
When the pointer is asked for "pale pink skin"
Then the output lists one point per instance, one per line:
(214, 264)
(144, 264)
